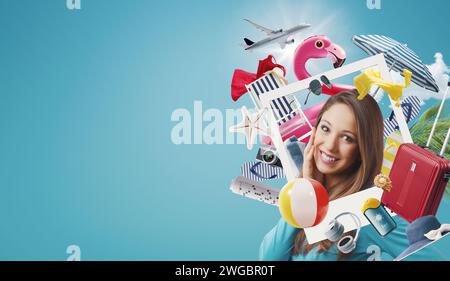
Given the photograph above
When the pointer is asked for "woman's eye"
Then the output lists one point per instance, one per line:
(348, 139)
(325, 128)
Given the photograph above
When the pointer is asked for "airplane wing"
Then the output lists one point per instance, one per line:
(282, 44)
(266, 30)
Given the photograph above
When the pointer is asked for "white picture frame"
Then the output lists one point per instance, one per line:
(353, 202)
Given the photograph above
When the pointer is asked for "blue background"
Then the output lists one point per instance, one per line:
(86, 100)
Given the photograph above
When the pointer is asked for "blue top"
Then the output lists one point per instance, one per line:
(278, 243)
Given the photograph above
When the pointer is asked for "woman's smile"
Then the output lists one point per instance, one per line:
(328, 158)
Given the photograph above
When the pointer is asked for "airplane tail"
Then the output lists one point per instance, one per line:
(248, 42)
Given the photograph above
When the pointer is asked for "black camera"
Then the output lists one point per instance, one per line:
(268, 155)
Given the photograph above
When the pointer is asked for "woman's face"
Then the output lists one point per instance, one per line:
(336, 148)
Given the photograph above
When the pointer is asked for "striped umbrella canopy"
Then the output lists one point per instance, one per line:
(398, 56)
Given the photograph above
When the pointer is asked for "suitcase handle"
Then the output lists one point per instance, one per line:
(437, 118)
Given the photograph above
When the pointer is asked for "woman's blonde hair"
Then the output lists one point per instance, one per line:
(369, 136)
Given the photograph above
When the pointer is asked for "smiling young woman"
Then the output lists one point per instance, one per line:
(344, 153)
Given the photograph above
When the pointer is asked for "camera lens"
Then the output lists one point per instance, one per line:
(269, 157)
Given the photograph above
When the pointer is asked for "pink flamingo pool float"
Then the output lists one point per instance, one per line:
(314, 47)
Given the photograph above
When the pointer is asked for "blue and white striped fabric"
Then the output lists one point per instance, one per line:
(411, 108)
(281, 106)
(259, 171)
(399, 53)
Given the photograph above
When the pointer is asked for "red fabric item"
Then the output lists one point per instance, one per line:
(268, 64)
(242, 77)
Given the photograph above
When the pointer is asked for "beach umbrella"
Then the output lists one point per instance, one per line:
(398, 56)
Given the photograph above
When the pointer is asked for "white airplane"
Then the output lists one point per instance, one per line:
(279, 36)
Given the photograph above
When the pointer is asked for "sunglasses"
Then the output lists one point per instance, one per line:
(315, 86)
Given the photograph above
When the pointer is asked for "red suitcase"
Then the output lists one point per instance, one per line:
(419, 178)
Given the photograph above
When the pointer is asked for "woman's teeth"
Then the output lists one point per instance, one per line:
(327, 158)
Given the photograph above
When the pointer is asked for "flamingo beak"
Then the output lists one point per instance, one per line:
(337, 55)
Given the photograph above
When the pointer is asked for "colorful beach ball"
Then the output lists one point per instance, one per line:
(303, 202)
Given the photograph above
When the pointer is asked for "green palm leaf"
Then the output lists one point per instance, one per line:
(422, 128)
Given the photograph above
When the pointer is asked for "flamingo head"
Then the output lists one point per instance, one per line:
(318, 46)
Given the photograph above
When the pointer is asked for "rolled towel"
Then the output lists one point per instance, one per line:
(296, 149)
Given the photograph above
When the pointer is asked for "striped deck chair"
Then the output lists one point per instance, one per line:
(281, 107)
(411, 108)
